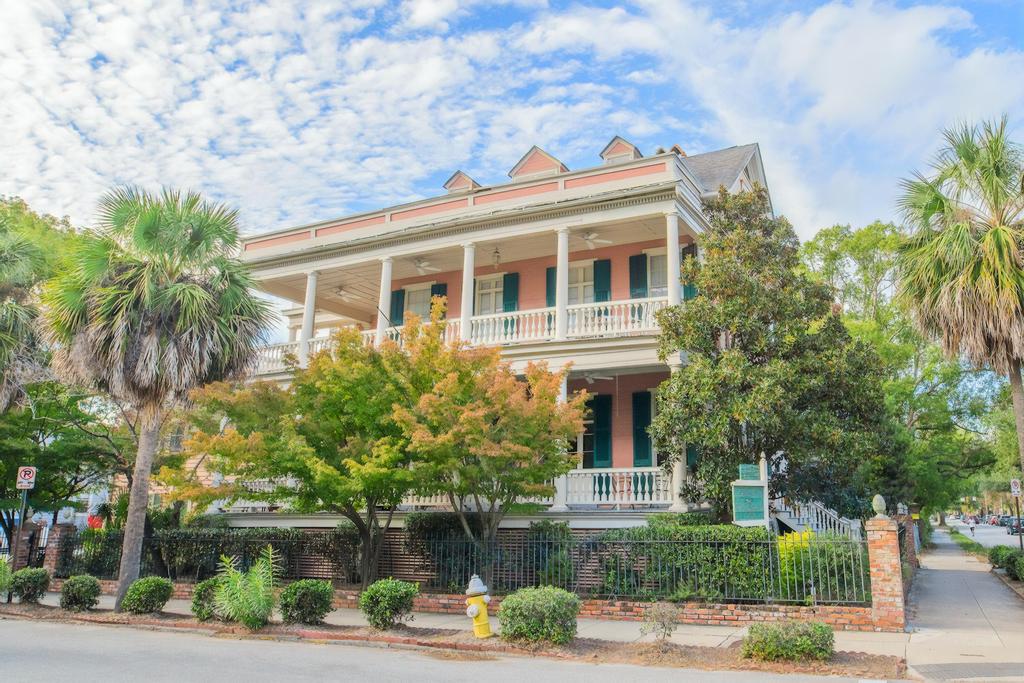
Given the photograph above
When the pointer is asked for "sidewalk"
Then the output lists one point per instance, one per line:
(605, 629)
(966, 623)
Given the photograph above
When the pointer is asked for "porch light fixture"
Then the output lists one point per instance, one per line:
(496, 258)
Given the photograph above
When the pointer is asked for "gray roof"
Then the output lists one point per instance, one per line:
(720, 167)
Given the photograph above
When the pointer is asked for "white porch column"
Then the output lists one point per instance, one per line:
(466, 307)
(384, 302)
(672, 259)
(679, 465)
(308, 317)
(562, 285)
(562, 482)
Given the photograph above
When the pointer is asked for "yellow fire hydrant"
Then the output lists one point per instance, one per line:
(476, 607)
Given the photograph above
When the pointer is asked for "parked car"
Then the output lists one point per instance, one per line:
(1004, 520)
(1014, 526)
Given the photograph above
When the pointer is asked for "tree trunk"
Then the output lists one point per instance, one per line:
(1017, 394)
(138, 499)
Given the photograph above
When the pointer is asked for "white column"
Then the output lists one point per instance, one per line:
(679, 464)
(384, 302)
(308, 317)
(672, 259)
(466, 307)
(562, 285)
(562, 482)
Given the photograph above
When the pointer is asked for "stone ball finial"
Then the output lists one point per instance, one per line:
(878, 505)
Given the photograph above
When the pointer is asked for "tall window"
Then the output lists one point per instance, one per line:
(418, 300)
(489, 291)
(581, 284)
(657, 275)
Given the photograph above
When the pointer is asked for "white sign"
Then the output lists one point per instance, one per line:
(26, 478)
(1015, 488)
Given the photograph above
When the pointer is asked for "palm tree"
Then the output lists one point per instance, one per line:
(21, 269)
(962, 269)
(154, 304)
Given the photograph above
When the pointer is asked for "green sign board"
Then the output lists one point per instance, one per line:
(748, 503)
(750, 472)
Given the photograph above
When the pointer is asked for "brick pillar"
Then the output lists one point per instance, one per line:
(57, 534)
(910, 548)
(888, 611)
(25, 548)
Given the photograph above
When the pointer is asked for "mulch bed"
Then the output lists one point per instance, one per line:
(456, 644)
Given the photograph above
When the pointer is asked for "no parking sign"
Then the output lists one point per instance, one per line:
(26, 478)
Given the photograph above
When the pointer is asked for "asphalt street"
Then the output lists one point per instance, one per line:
(40, 651)
(986, 534)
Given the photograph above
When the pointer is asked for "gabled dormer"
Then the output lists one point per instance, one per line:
(619, 150)
(460, 182)
(535, 164)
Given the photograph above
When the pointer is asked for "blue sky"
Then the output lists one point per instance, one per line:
(301, 115)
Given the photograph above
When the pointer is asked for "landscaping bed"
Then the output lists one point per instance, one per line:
(851, 664)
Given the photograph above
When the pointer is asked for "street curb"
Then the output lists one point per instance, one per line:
(1016, 586)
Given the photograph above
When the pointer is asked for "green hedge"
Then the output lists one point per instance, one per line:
(789, 641)
(80, 593)
(388, 602)
(307, 601)
(539, 614)
(147, 595)
(30, 585)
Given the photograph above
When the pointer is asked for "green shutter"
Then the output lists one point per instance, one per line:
(692, 456)
(510, 292)
(552, 284)
(397, 307)
(689, 289)
(638, 276)
(602, 280)
(641, 421)
(602, 408)
(440, 289)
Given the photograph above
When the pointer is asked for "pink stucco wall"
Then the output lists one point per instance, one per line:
(532, 274)
(622, 388)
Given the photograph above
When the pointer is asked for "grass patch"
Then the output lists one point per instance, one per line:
(969, 545)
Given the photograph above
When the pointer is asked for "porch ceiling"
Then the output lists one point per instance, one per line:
(352, 290)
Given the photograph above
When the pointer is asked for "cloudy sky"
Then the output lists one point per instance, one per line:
(299, 115)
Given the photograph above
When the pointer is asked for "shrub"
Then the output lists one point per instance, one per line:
(29, 585)
(388, 602)
(203, 599)
(548, 553)
(247, 597)
(999, 555)
(792, 640)
(822, 567)
(661, 619)
(307, 601)
(80, 593)
(1018, 567)
(5, 574)
(147, 595)
(439, 538)
(536, 614)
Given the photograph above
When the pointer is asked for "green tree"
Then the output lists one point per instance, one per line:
(328, 442)
(938, 406)
(961, 272)
(770, 368)
(43, 431)
(153, 304)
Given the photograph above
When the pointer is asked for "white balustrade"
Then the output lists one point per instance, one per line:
(513, 327)
(817, 517)
(619, 486)
(614, 318)
(271, 359)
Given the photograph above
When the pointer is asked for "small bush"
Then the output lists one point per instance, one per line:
(998, 555)
(661, 619)
(248, 597)
(29, 585)
(307, 601)
(1018, 567)
(388, 602)
(203, 599)
(535, 614)
(147, 595)
(792, 640)
(5, 574)
(80, 593)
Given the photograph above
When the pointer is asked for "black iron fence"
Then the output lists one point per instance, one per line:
(794, 569)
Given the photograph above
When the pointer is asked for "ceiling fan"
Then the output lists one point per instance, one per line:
(592, 240)
(590, 379)
(344, 294)
(423, 266)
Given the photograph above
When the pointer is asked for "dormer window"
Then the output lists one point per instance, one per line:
(620, 150)
(536, 164)
(460, 182)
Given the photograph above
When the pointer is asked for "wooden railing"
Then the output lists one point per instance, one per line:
(619, 486)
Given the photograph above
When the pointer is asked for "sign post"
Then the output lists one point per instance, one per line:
(26, 482)
(750, 495)
(1015, 492)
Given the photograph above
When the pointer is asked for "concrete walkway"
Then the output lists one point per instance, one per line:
(966, 624)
